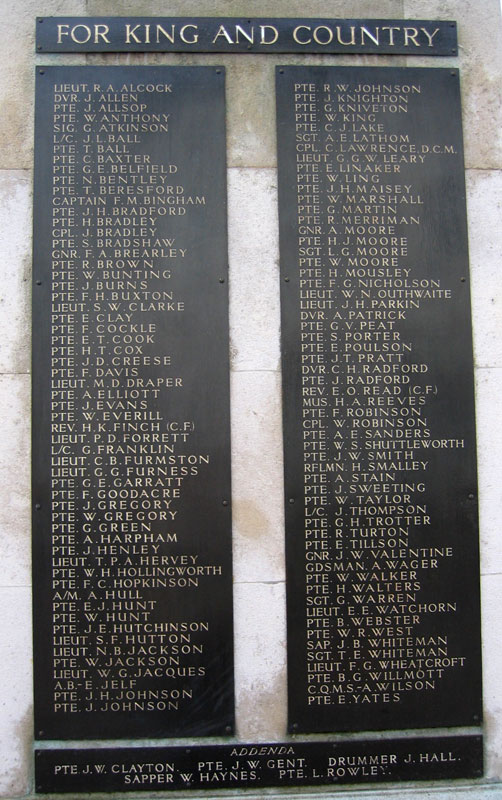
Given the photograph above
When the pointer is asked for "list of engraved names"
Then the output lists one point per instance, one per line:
(139, 532)
(381, 530)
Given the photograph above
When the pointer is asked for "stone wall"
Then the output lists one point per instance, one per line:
(259, 596)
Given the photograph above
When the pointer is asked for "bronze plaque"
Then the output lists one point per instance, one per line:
(131, 448)
(380, 471)
(251, 766)
(244, 35)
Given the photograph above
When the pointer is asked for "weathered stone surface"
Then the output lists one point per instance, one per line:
(260, 661)
(250, 93)
(15, 289)
(241, 8)
(18, 79)
(16, 727)
(419, 793)
(484, 212)
(250, 98)
(251, 101)
(480, 64)
(489, 436)
(257, 477)
(491, 595)
(254, 269)
(15, 517)
(250, 78)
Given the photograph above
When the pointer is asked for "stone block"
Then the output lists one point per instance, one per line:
(17, 57)
(260, 661)
(15, 516)
(462, 790)
(15, 292)
(251, 100)
(491, 596)
(240, 8)
(249, 78)
(484, 212)
(254, 269)
(257, 477)
(480, 64)
(16, 726)
(489, 436)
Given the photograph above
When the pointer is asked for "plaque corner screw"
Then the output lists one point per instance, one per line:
(218, 71)
(41, 72)
(228, 729)
(462, 280)
(39, 283)
(39, 47)
(40, 19)
(222, 280)
(453, 73)
(286, 280)
(291, 499)
(38, 507)
(281, 72)
(225, 502)
(294, 726)
(41, 733)
(453, 50)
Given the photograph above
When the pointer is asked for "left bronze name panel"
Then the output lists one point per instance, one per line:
(131, 442)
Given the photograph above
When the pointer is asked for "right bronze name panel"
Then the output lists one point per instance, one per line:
(378, 401)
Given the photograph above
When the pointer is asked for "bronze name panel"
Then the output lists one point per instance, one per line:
(131, 446)
(244, 35)
(252, 766)
(380, 471)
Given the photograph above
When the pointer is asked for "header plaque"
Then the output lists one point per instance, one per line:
(244, 35)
